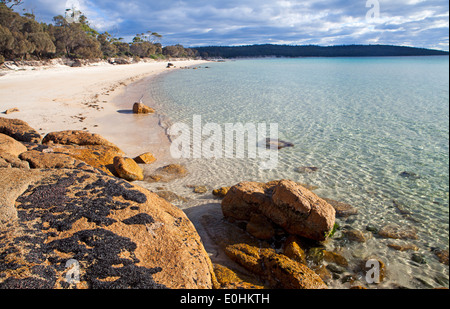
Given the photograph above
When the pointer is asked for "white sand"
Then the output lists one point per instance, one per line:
(95, 98)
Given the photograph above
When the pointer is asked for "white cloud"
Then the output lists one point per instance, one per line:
(210, 22)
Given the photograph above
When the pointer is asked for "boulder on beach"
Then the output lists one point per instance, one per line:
(74, 137)
(8, 160)
(287, 204)
(12, 110)
(38, 159)
(118, 235)
(97, 156)
(145, 158)
(140, 108)
(19, 130)
(128, 169)
(11, 146)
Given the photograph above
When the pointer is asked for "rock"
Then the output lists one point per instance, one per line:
(300, 212)
(277, 144)
(12, 110)
(260, 227)
(231, 279)
(336, 269)
(259, 258)
(355, 235)
(19, 130)
(8, 160)
(120, 235)
(442, 255)
(306, 169)
(100, 157)
(221, 192)
(172, 197)
(418, 258)
(76, 64)
(342, 209)
(121, 61)
(73, 137)
(140, 108)
(278, 269)
(372, 228)
(145, 158)
(297, 210)
(11, 146)
(409, 175)
(403, 247)
(334, 257)
(38, 159)
(395, 231)
(293, 250)
(168, 173)
(200, 189)
(128, 169)
(244, 199)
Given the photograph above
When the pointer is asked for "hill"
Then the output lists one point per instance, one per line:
(269, 50)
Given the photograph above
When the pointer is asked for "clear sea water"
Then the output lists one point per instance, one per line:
(361, 121)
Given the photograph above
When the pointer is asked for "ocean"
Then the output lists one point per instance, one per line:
(375, 131)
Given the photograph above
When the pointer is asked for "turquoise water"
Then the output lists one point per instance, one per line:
(361, 121)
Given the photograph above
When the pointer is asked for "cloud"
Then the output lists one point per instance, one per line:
(421, 23)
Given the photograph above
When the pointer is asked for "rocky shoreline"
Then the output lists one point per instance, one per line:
(69, 196)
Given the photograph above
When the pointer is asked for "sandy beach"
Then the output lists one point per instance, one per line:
(96, 98)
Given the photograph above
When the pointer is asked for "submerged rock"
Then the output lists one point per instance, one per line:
(221, 192)
(277, 144)
(120, 235)
(409, 175)
(342, 209)
(167, 173)
(306, 169)
(396, 231)
(200, 189)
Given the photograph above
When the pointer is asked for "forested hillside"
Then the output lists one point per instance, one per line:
(22, 37)
(269, 50)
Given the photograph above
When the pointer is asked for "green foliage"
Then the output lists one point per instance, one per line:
(22, 37)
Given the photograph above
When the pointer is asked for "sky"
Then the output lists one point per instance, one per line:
(194, 23)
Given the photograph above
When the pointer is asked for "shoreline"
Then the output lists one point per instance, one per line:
(92, 98)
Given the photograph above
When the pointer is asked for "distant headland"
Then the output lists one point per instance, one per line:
(270, 50)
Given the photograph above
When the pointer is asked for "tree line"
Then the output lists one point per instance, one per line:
(24, 38)
(269, 50)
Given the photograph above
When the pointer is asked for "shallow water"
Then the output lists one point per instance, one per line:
(361, 121)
